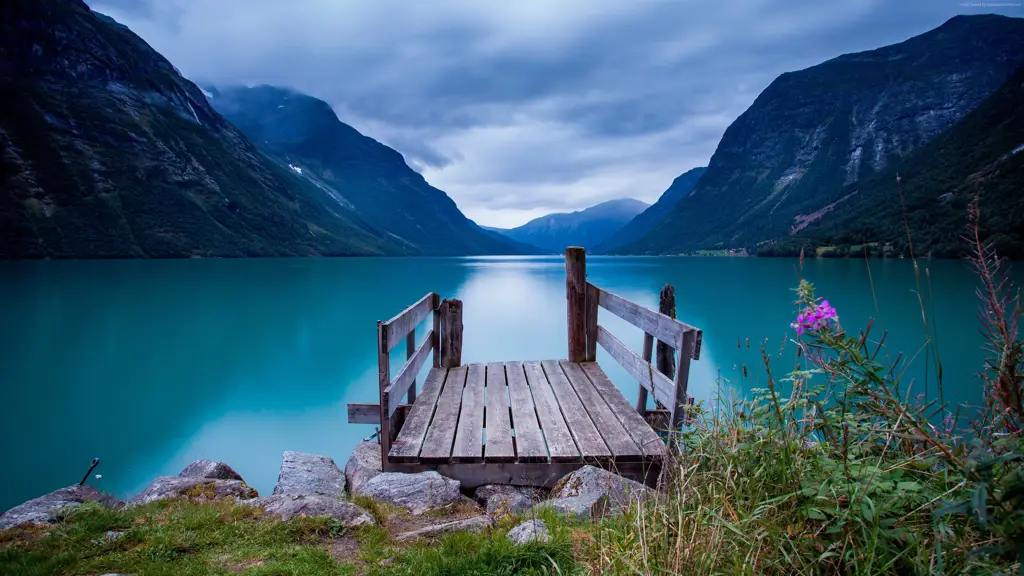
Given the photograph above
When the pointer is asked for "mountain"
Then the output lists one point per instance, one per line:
(305, 134)
(588, 228)
(802, 149)
(107, 152)
(649, 218)
(981, 156)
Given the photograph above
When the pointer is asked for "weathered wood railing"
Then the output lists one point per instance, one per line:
(584, 299)
(444, 339)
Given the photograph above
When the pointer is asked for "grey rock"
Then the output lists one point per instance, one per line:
(210, 469)
(474, 524)
(47, 508)
(288, 506)
(362, 465)
(113, 535)
(529, 531)
(504, 500)
(166, 487)
(306, 474)
(416, 492)
(593, 492)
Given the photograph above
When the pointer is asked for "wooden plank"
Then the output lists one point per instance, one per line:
(576, 301)
(407, 375)
(654, 381)
(469, 435)
(360, 413)
(497, 422)
(610, 428)
(544, 474)
(451, 333)
(593, 296)
(668, 330)
(635, 425)
(407, 446)
(437, 444)
(561, 445)
(529, 442)
(407, 320)
(588, 439)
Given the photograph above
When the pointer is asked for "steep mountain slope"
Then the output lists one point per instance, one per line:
(649, 218)
(305, 133)
(106, 151)
(982, 155)
(800, 151)
(589, 227)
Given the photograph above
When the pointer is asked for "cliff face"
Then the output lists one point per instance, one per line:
(588, 228)
(305, 135)
(801, 150)
(106, 151)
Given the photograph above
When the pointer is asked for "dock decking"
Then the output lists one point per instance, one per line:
(529, 422)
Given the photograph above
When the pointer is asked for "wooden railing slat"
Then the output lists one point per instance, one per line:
(360, 413)
(662, 327)
(407, 320)
(656, 382)
(407, 374)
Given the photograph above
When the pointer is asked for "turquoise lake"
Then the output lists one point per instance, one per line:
(150, 365)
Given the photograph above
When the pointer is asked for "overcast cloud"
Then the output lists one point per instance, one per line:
(518, 109)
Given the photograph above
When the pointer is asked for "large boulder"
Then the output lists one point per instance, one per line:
(45, 509)
(363, 464)
(307, 474)
(416, 492)
(591, 492)
(166, 487)
(474, 524)
(529, 531)
(503, 500)
(210, 469)
(288, 506)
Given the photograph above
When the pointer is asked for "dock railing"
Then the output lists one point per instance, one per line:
(585, 333)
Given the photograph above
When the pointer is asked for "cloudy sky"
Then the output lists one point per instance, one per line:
(522, 108)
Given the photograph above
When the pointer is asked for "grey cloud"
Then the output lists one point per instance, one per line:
(533, 104)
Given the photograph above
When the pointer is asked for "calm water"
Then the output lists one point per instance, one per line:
(152, 364)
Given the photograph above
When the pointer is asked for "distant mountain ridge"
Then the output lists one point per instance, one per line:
(107, 152)
(649, 218)
(800, 152)
(589, 227)
(305, 134)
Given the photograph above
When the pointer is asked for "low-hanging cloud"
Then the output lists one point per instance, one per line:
(523, 108)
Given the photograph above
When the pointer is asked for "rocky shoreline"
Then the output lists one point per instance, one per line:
(312, 485)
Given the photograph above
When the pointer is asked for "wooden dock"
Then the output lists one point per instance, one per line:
(531, 422)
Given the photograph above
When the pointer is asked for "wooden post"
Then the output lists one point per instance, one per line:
(384, 378)
(682, 378)
(592, 302)
(576, 301)
(410, 347)
(667, 306)
(436, 305)
(451, 333)
(641, 397)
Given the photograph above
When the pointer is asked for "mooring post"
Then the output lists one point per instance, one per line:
(576, 301)
(667, 306)
(451, 333)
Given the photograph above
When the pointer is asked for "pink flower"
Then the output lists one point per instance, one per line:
(815, 317)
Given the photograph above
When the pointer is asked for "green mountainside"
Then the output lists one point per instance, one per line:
(798, 156)
(306, 136)
(107, 152)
